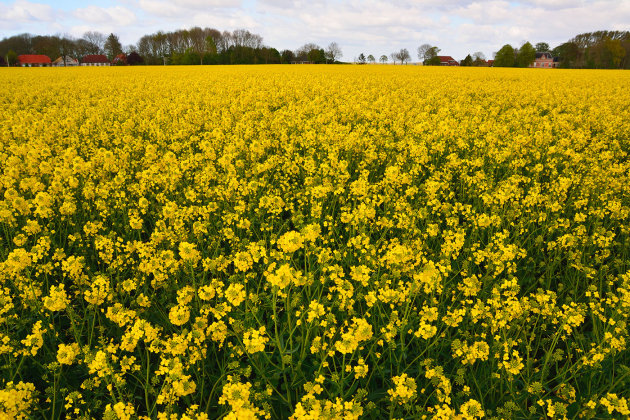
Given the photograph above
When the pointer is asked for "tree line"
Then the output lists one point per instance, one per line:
(597, 50)
(186, 46)
(591, 50)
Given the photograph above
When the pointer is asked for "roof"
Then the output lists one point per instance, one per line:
(95, 58)
(33, 59)
(445, 58)
(543, 55)
(120, 58)
(68, 60)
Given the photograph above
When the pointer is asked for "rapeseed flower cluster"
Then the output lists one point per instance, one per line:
(334, 242)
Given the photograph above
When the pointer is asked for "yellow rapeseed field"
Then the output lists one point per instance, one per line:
(314, 242)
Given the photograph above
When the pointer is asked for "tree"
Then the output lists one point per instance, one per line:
(479, 59)
(422, 52)
(67, 47)
(467, 62)
(526, 55)
(479, 56)
(403, 56)
(383, 59)
(133, 59)
(287, 56)
(198, 42)
(2, 62)
(361, 58)
(12, 58)
(95, 42)
(505, 57)
(302, 53)
(112, 46)
(429, 55)
(614, 53)
(394, 57)
(568, 54)
(434, 59)
(316, 55)
(333, 52)
(371, 59)
(542, 47)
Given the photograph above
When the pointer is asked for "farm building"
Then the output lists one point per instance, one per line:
(33, 60)
(68, 62)
(120, 59)
(544, 60)
(447, 60)
(95, 60)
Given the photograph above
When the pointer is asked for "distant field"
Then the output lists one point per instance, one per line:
(313, 242)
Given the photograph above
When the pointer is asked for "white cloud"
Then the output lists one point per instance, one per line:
(116, 16)
(487, 12)
(186, 8)
(22, 11)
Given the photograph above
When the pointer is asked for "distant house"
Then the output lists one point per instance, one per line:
(69, 62)
(490, 63)
(34, 60)
(120, 59)
(447, 60)
(544, 60)
(95, 60)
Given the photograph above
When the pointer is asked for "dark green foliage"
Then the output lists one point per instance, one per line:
(505, 57)
(467, 62)
(526, 55)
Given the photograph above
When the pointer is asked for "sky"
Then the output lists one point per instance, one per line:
(377, 27)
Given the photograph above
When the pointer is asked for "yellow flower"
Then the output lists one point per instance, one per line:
(57, 300)
(34, 341)
(404, 389)
(188, 252)
(98, 292)
(179, 315)
(255, 340)
(67, 353)
(290, 242)
(235, 294)
(472, 410)
(283, 276)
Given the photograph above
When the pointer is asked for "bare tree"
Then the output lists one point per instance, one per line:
(394, 57)
(333, 52)
(479, 56)
(160, 45)
(244, 38)
(198, 42)
(225, 42)
(423, 51)
(96, 40)
(67, 47)
(178, 41)
(403, 56)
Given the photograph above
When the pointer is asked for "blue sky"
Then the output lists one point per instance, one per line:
(375, 27)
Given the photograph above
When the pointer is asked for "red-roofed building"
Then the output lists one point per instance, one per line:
(447, 60)
(544, 60)
(120, 60)
(490, 63)
(33, 60)
(95, 60)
